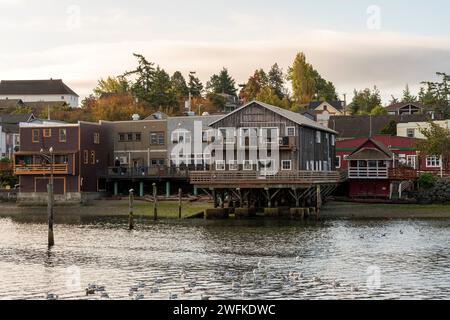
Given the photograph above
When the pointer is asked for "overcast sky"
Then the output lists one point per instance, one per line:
(353, 43)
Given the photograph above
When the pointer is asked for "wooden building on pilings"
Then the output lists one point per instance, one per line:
(267, 157)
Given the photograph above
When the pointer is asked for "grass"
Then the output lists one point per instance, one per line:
(169, 210)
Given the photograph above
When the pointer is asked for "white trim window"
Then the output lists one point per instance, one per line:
(338, 162)
(286, 165)
(233, 165)
(433, 162)
(291, 131)
(411, 161)
(228, 135)
(181, 136)
(248, 165)
(220, 165)
(318, 137)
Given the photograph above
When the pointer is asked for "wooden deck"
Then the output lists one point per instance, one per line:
(146, 173)
(40, 169)
(254, 180)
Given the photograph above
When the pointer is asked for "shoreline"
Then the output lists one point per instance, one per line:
(169, 210)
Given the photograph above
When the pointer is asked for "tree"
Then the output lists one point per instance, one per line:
(407, 96)
(119, 107)
(365, 100)
(111, 85)
(379, 111)
(269, 96)
(302, 77)
(222, 83)
(437, 142)
(144, 75)
(438, 94)
(276, 80)
(179, 86)
(390, 129)
(161, 92)
(394, 100)
(254, 85)
(195, 86)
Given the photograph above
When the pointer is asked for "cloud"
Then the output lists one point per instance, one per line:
(350, 60)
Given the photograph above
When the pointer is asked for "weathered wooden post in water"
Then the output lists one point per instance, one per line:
(155, 203)
(51, 200)
(319, 202)
(180, 201)
(131, 217)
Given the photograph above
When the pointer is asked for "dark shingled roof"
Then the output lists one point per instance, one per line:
(338, 105)
(16, 118)
(25, 87)
(359, 126)
(10, 103)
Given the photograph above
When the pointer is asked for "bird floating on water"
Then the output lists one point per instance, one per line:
(173, 296)
(139, 296)
(52, 296)
(186, 291)
(204, 298)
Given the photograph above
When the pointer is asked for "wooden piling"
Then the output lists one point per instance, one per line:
(50, 208)
(130, 210)
(155, 202)
(180, 202)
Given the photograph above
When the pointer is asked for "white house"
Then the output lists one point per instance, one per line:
(53, 90)
(412, 129)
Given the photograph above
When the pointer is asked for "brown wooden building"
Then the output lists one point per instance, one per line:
(244, 168)
(79, 150)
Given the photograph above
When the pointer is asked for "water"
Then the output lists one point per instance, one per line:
(336, 259)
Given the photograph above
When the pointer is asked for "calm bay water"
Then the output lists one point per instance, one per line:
(226, 259)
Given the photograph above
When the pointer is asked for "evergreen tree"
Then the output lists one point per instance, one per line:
(365, 101)
(222, 83)
(179, 86)
(195, 86)
(276, 80)
(254, 85)
(407, 96)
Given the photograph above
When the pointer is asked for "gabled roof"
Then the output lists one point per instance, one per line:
(28, 87)
(400, 105)
(16, 118)
(338, 105)
(364, 152)
(293, 116)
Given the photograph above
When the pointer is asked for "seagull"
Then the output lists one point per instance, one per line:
(90, 291)
(204, 298)
(51, 296)
(173, 296)
(154, 290)
(140, 296)
(141, 285)
(297, 259)
(186, 291)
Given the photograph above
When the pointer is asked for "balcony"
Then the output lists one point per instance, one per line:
(41, 169)
(147, 173)
(368, 173)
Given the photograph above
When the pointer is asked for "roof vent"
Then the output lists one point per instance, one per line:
(136, 117)
(205, 114)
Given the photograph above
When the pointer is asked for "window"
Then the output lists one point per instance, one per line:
(338, 162)
(318, 137)
(411, 133)
(35, 133)
(181, 136)
(220, 165)
(158, 162)
(62, 135)
(433, 162)
(286, 165)
(86, 157)
(157, 138)
(138, 136)
(96, 138)
(129, 136)
(269, 136)
(62, 97)
(92, 157)
(248, 165)
(233, 164)
(47, 133)
(411, 161)
(121, 137)
(290, 131)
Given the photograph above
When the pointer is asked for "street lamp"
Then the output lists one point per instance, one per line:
(50, 203)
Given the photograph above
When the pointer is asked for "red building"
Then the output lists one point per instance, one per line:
(382, 166)
(79, 152)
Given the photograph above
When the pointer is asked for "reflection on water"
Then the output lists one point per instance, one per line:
(225, 259)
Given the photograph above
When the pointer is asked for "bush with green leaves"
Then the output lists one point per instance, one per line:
(5, 160)
(427, 180)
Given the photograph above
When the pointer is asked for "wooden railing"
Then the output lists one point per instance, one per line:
(32, 169)
(367, 173)
(147, 172)
(254, 177)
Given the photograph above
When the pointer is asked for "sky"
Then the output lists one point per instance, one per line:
(353, 43)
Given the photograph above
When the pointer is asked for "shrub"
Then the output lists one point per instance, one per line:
(427, 180)
(5, 160)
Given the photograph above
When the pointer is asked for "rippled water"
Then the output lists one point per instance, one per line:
(413, 259)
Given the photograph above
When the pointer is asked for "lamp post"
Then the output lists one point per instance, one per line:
(50, 202)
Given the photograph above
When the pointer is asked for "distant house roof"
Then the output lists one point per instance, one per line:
(10, 103)
(157, 116)
(37, 87)
(16, 118)
(293, 116)
(400, 105)
(366, 126)
(338, 105)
